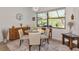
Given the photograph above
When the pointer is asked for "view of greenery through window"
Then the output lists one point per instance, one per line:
(55, 18)
(42, 19)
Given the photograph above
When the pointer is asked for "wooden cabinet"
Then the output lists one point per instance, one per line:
(25, 29)
(13, 32)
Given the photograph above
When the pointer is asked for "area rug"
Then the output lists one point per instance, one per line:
(54, 45)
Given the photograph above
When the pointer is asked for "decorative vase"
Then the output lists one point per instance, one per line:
(70, 24)
(4, 33)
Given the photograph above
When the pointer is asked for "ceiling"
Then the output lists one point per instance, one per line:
(42, 9)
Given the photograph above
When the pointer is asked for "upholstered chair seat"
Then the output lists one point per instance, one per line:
(22, 36)
(34, 39)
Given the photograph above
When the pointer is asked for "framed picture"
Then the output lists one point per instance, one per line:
(33, 18)
(19, 16)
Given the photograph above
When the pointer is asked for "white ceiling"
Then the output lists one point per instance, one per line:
(41, 9)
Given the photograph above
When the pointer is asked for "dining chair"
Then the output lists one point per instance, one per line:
(34, 39)
(45, 35)
(21, 36)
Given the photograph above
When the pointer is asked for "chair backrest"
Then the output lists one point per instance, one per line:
(40, 30)
(34, 38)
(47, 32)
(20, 31)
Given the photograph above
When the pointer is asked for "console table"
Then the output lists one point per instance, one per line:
(13, 32)
(70, 37)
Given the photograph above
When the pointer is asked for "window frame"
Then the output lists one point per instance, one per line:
(53, 18)
(38, 19)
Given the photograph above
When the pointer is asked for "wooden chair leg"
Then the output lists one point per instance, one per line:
(77, 43)
(30, 47)
(20, 42)
(40, 42)
(48, 41)
(39, 47)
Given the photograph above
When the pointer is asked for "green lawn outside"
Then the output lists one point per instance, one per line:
(56, 23)
(53, 22)
(42, 22)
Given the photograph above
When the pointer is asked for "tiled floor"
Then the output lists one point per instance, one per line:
(54, 45)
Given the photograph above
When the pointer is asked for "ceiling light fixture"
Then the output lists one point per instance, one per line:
(35, 9)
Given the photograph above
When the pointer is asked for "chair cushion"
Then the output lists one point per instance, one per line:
(24, 37)
(43, 36)
(34, 38)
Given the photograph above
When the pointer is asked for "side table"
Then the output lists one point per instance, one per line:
(70, 37)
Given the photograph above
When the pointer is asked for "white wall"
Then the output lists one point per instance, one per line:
(56, 33)
(8, 17)
(69, 11)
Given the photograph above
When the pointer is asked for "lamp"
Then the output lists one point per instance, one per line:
(71, 23)
(72, 17)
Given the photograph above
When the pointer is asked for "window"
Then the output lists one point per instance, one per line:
(55, 18)
(42, 19)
